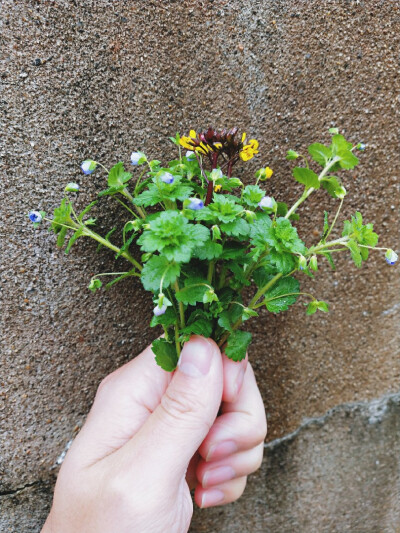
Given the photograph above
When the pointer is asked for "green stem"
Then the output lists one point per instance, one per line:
(264, 289)
(178, 346)
(334, 220)
(315, 249)
(373, 247)
(126, 207)
(128, 195)
(210, 272)
(307, 192)
(283, 296)
(108, 244)
(180, 305)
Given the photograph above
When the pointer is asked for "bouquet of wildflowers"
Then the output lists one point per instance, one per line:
(208, 241)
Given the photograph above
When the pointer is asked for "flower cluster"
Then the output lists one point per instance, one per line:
(208, 240)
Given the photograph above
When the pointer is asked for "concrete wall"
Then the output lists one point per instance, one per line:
(118, 76)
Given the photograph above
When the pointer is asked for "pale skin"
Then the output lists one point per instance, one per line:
(151, 436)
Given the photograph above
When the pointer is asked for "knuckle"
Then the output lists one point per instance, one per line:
(181, 407)
(106, 384)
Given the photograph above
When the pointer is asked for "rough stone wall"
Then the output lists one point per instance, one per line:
(118, 76)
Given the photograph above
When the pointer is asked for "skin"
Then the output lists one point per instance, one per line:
(151, 436)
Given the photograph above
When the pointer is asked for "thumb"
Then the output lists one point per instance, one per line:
(187, 410)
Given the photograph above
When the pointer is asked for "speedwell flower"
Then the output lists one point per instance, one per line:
(361, 146)
(190, 155)
(88, 166)
(135, 158)
(391, 257)
(35, 216)
(167, 177)
(267, 201)
(195, 204)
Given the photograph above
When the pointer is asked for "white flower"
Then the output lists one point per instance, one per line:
(167, 177)
(391, 257)
(72, 187)
(158, 311)
(190, 155)
(35, 217)
(195, 204)
(88, 166)
(135, 158)
(267, 201)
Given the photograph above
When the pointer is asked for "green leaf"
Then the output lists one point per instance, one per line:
(61, 236)
(317, 306)
(311, 308)
(72, 240)
(208, 251)
(120, 278)
(86, 210)
(333, 186)
(252, 195)
(328, 255)
(166, 354)
(193, 292)
(107, 238)
(320, 153)
(326, 223)
(307, 177)
(172, 235)
(126, 245)
(229, 317)
(223, 209)
(248, 313)
(355, 252)
(281, 209)
(237, 228)
(153, 271)
(342, 150)
(202, 326)
(61, 216)
(280, 297)
(237, 345)
(117, 177)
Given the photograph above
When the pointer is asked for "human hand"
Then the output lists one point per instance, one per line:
(151, 435)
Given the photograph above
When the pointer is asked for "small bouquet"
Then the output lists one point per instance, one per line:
(208, 241)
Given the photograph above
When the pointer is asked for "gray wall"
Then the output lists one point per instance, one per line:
(125, 75)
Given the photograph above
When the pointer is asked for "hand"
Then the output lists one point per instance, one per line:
(151, 435)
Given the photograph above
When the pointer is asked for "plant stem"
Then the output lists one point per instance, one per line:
(264, 289)
(178, 346)
(128, 195)
(210, 272)
(334, 220)
(108, 244)
(342, 240)
(307, 192)
(283, 295)
(180, 305)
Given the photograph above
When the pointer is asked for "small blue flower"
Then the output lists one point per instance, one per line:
(35, 217)
(158, 311)
(72, 187)
(391, 257)
(267, 201)
(88, 166)
(190, 155)
(135, 158)
(195, 204)
(167, 177)
(302, 262)
(361, 146)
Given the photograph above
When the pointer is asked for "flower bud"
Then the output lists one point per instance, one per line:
(35, 217)
(88, 166)
(361, 147)
(216, 174)
(302, 262)
(334, 131)
(291, 154)
(135, 158)
(340, 192)
(314, 263)
(195, 204)
(167, 177)
(71, 187)
(250, 216)
(158, 311)
(391, 257)
(267, 202)
(216, 233)
(190, 155)
(264, 173)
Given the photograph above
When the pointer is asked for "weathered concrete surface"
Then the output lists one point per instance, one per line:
(336, 473)
(123, 76)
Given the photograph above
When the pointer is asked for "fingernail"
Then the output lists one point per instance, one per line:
(212, 497)
(218, 475)
(222, 449)
(196, 357)
(239, 381)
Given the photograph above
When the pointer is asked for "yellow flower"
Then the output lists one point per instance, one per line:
(249, 150)
(268, 172)
(243, 137)
(185, 142)
(217, 188)
(192, 134)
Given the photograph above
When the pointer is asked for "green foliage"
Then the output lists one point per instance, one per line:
(282, 295)
(315, 306)
(307, 177)
(158, 267)
(237, 345)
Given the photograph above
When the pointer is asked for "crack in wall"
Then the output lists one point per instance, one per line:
(18, 490)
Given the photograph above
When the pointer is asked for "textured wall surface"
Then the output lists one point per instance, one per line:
(102, 78)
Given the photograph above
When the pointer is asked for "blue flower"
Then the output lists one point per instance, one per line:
(302, 262)
(167, 177)
(158, 311)
(391, 257)
(267, 201)
(35, 217)
(361, 146)
(136, 157)
(195, 204)
(88, 166)
(72, 187)
(190, 155)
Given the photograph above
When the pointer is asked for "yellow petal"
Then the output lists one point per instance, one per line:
(218, 145)
(192, 134)
(268, 172)
(245, 155)
(184, 141)
(253, 144)
(243, 137)
(205, 147)
(217, 188)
